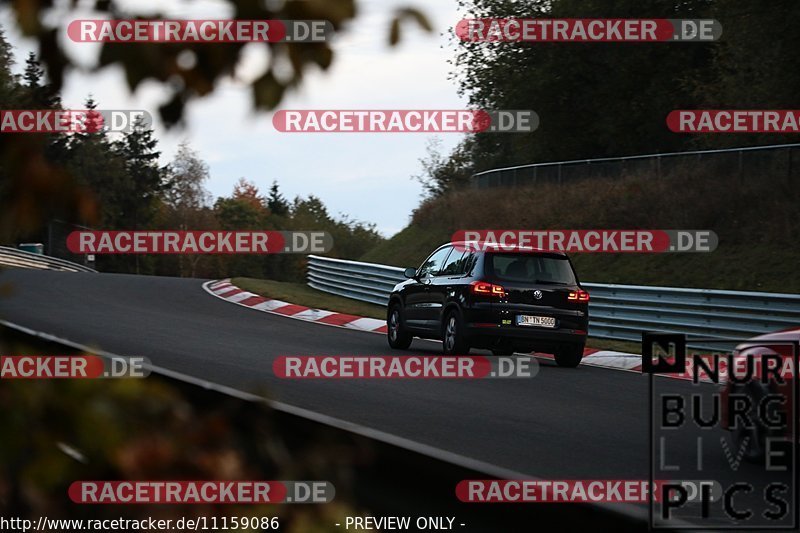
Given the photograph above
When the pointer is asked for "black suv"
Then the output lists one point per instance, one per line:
(503, 299)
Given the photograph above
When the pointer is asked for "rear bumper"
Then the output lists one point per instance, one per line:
(527, 332)
(490, 325)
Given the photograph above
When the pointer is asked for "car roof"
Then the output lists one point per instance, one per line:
(495, 247)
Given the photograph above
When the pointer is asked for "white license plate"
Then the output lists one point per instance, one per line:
(541, 321)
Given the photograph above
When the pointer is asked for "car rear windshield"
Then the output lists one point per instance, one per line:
(531, 268)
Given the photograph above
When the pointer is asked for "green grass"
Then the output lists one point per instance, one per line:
(756, 267)
(745, 267)
(301, 294)
(407, 248)
(754, 219)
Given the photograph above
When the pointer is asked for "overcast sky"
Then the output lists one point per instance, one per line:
(367, 176)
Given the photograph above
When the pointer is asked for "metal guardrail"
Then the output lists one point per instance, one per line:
(17, 258)
(624, 311)
(777, 160)
(367, 282)
(616, 311)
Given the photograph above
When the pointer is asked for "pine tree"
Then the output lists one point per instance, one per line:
(37, 93)
(139, 187)
(145, 178)
(8, 81)
(276, 203)
(33, 72)
(94, 164)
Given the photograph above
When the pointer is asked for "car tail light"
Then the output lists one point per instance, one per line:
(578, 296)
(484, 288)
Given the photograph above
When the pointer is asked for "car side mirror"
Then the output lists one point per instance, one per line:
(410, 272)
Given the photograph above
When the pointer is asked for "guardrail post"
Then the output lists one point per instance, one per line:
(740, 165)
(789, 166)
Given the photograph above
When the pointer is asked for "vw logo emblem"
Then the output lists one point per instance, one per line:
(537, 294)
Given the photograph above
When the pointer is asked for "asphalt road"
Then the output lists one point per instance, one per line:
(589, 423)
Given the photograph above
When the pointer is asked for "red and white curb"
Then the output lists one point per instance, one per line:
(225, 290)
(608, 359)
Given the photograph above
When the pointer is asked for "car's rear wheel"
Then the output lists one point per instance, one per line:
(454, 340)
(396, 333)
(569, 355)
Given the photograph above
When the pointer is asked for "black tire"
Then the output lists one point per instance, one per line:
(454, 340)
(396, 333)
(569, 355)
(754, 447)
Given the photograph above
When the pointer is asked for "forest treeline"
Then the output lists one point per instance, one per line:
(118, 182)
(612, 99)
